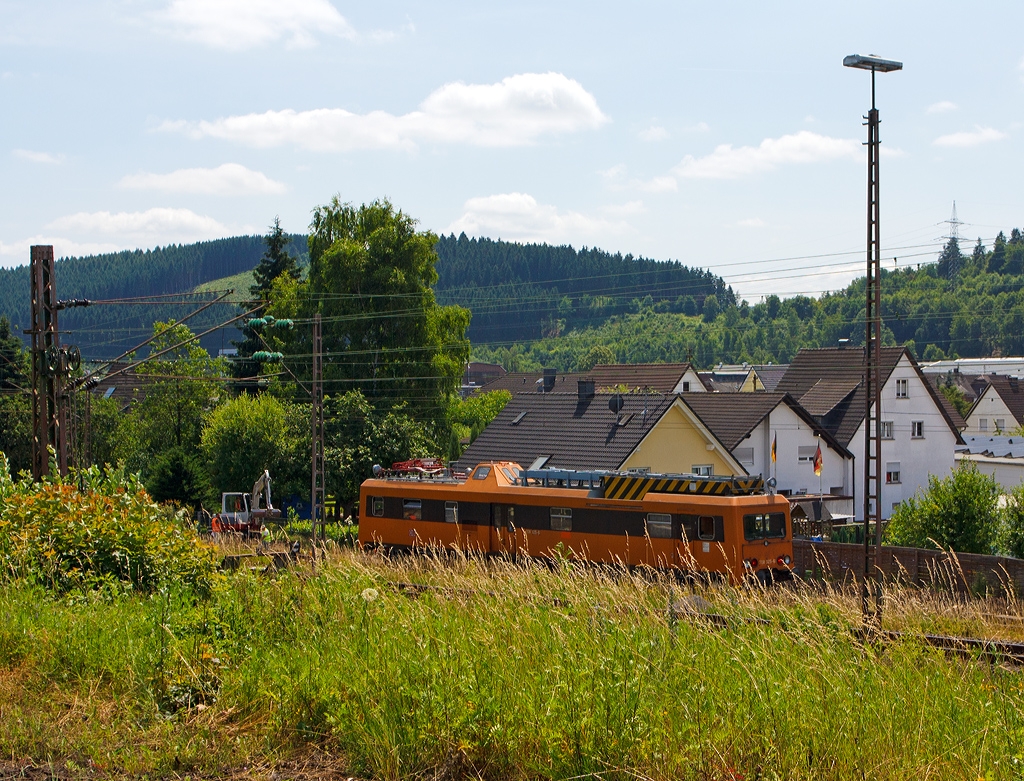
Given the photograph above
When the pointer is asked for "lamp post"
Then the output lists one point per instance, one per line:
(872, 352)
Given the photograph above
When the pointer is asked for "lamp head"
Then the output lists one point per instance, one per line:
(871, 62)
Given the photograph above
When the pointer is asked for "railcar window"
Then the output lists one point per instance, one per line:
(508, 473)
(659, 524)
(481, 473)
(561, 519)
(412, 510)
(764, 526)
(706, 527)
(377, 506)
(451, 512)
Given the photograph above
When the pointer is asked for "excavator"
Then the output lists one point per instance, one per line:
(245, 513)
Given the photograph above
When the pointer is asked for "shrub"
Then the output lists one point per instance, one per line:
(94, 528)
(958, 512)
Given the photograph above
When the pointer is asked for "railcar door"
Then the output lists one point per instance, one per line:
(503, 538)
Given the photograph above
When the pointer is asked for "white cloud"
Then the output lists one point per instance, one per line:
(38, 157)
(803, 147)
(700, 127)
(518, 217)
(227, 179)
(654, 133)
(17, 253)
(153, 226)
(616, 179)
(752, 222)
(942, 107)
(242, 24)
(980, 135)
(513, 112)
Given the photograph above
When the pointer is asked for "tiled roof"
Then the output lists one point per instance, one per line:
(826, 394)
(846, 364)
(731, 417)
(771, 375)
(577, 434)
(124, 387)
(660, 377)
(1011, 391)
(724, 382)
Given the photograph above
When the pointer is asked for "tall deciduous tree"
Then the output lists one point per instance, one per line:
(384, 334)
(15, 401)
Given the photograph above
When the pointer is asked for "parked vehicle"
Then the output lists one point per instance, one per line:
(243, 513)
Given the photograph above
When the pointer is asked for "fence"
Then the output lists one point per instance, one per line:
(963, 572)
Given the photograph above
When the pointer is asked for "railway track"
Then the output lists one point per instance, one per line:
(993, 651)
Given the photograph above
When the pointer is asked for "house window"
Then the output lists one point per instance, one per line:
(917, 429)
(745, 455)
(805, 453)
(377, 506)
(686, 387)
(561, 519)
(1000, 424)
(982, 424)
(703, 470)
(901, 389)
(451, 512)
(412, 510)
(659, 525)
(892, 472)
(886, 429)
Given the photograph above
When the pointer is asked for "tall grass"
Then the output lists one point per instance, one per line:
(499, 671)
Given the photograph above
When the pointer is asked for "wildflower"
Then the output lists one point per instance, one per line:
(370, 594)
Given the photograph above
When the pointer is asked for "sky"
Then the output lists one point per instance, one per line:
(727, 136)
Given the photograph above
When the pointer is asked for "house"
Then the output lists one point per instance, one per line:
(124, 387)
(699, 433)
(658, 377)
(592, 430)
(747, 424)
(743, 378)
(999, 407)
(478, 374)
(1000, 457)
(918, 433)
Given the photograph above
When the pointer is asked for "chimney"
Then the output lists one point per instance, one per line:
(585, 389)
(549, 380)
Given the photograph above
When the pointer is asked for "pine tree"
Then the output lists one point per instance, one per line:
(998, 259)
(275, 262)
(979, 253)
(951, 260)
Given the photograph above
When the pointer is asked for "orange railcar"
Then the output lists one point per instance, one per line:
(683, 522)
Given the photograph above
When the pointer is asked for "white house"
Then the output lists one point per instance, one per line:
(918, 434)
(998, 409)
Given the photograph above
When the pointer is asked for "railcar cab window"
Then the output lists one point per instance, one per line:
(377, 506)
(481, 473)
(451, 512)
(508, 474)
(561, 519)
(412, 509)
(659, 525)
(706, 527)
(766, 526)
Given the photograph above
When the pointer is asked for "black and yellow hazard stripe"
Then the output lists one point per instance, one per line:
(634, 487)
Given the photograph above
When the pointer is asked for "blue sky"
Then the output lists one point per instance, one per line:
(725, 135)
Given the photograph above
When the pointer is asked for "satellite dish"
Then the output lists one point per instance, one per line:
(616, 403)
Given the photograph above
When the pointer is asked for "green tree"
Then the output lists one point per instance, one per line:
(370, 277)
(950, 260)
(15, 400)
(358, 436)
(248, 434)
(998, 256)
(958, 512)
(599, 354)
(472, 415)
(711, 309)
(177, 475)
(276, 262)
(186, 386)
(1012, 536)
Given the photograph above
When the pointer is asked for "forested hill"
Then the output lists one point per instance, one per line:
(105, 331)
(961, 306)
(527, 291)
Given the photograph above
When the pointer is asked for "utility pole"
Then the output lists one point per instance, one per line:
(316, 504)
(48, 414)
(872, 355)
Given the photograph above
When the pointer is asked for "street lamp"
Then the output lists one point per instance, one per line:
(872, 348)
